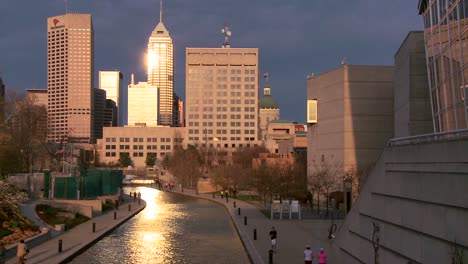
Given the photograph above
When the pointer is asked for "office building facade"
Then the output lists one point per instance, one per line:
(222, 97)
(70, 78)
(111, 82)
(160, 62)
(445, 23)
(143, 104)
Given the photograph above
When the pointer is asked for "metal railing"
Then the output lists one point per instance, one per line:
(435, 137)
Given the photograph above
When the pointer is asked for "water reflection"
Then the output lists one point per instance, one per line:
(172, 229)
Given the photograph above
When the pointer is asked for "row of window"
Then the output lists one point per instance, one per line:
(127, 139)
(137, 154)
(221, 131)
(221, 124)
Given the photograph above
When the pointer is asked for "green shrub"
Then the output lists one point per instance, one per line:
(4, 232)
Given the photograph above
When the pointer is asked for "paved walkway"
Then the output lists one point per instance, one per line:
(80, 237)
(293, 235)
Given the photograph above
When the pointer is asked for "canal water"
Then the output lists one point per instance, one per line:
(171, 229)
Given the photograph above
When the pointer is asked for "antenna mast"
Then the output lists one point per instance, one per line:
(160, 11)
(66, 6)
(227, 34)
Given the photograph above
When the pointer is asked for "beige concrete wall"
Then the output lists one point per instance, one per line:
(412, 103)
(417, 195)
(87, 208)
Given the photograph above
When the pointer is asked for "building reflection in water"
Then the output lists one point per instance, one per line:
(171, 229)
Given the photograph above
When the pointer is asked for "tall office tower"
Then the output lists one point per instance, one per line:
(142, 104)
(2, 102)
(110, 114)
(268, 109)
(161, 69)
(445, 23)
(99, 111)
(222, 97)
(178, 114)
(37, 96)
(111, 82)
(70, 78)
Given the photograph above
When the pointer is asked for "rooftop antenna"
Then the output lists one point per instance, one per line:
(160, 11)
(227, 34)
(66, 6)
(344, 61)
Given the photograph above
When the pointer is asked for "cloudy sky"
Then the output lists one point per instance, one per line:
(294, 37)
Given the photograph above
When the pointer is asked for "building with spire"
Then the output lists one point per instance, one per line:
(268, 110)
(160, 62)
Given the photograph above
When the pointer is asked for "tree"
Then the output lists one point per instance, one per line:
(150, 159)
(124, 159)
(10, 196)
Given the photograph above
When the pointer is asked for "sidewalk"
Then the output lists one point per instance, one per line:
(293, 235)
(81, 237)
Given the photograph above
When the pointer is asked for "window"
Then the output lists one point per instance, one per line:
(312, 111)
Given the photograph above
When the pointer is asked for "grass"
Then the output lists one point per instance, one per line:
(51, 215)
(247, 198)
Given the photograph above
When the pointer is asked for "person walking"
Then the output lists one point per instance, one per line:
(21, 252)
(308, 255)
(273, 237)
(322, 257)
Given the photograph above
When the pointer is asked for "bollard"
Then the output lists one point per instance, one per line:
(238, 211)
(234, 204)
(255, 233)
(129, 207)
(94, 227)
(197, 191)
(115, 215)
(227, 198)
(213, 195)
(270, 256)
(138, 202)
(60, 245)
(245, 220)
(182, 189)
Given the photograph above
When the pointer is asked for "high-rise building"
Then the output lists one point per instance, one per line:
(143, 104)
(99, 111)
(445, 23)
(110, 114)
(222, 97)
(160, 60)
(178, 114)
(111, 82)
(70, 78)
(2, 102)
(268, 111)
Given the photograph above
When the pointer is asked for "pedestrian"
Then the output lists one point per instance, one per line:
(134, 196)
(322, 257)
(222, 194)
(273, 236)
(21, 251)
(2, 254)
(308, 255)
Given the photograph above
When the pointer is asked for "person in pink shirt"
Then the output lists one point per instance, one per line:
(322, 257)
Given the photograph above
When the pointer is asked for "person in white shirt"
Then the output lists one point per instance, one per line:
(21, 252)
(308, 255)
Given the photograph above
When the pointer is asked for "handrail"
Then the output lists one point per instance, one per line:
(425, 138)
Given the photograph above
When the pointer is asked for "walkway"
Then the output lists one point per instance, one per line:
(293, 235)
(81, 237)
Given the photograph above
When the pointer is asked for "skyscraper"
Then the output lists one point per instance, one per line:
(160, 60)
(222, 97)
(111, 82)
(142, 104)
(70, 78)
(445, 23)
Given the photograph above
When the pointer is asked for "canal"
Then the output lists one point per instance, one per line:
(171, 229)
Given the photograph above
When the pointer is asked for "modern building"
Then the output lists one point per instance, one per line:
(143, 104)
(222, 97)
(277, 131)
(268, 110)
(99, 111)
(111, 82)
(412, 104)
(350, 116)
(138, 142)
(2, 102)
(110, 114)
(445, 23)
(297, 143)
(160, 62)
(70, 70)
(178, 115)
(37, 96)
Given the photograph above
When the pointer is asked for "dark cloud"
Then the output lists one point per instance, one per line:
(295, 37)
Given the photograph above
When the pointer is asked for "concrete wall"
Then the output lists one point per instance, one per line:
(418, 196)
(87, 208)
(354, 116)
(412, 104)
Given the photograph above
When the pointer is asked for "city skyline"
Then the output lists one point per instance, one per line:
(294, 39)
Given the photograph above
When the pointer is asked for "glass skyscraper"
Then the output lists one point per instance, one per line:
(446, 43)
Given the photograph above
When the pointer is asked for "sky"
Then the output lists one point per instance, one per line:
(295, 37)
